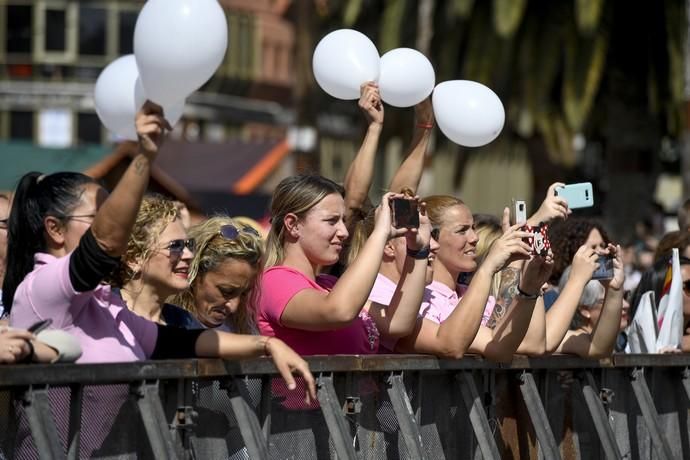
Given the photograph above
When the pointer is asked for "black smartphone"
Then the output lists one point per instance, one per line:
(405, 213)
(39, 326)
(605, 269)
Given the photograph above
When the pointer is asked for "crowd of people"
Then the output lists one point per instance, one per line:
(120, 276)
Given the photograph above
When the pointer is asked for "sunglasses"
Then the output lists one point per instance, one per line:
(435, 232)
(176, 247)
(230, 232)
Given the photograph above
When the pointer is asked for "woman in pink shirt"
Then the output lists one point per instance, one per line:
(313, 313)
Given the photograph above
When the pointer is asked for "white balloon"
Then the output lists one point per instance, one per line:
(343, 60)
(114, 95)
(467, 112)
(179, 44)
(118, 95)
(407, 77)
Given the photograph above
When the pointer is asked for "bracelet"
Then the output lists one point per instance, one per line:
(419, 255)
(266, 352)
(522, 294)
(425, 125)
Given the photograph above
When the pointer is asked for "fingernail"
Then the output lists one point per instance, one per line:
(292, 386)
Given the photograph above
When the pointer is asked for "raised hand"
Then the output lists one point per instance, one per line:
(618, 272)
(585, 263)
(151, 126)
(370, 103)
(419, 238)
(287, 362)
(537, 272)
(553, 207)
(511, 246)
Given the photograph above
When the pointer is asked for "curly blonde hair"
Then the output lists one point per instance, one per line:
(155, 214)
(212, 249)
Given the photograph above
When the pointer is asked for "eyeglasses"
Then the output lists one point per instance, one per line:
(230, 232)
(176, 247)
(78, 217)
(435, 233)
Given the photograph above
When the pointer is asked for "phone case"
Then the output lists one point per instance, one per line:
(405, 214)
(577, 195)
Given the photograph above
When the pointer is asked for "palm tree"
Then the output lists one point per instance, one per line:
(608, 72)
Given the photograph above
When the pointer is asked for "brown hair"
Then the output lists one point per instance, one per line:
(294, 195)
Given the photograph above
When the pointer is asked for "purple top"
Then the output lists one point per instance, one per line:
(106, 329)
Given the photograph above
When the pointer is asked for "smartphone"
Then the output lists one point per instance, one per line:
(605, 269)
(577, 195)
(39, 326)
(519, 211)
(405, 213)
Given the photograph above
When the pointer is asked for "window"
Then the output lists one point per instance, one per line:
(92, 30)
(127, 21)
(55, 32)
(21, 125)
(88, 128)
(19, 18)
(55, 128)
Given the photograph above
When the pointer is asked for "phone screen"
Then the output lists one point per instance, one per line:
(405, 214)
(605, 269)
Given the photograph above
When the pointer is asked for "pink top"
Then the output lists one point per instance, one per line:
(278, 286)
(106, 329)
(439, 301)
(382, 294)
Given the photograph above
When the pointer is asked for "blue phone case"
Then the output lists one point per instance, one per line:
(577, 195)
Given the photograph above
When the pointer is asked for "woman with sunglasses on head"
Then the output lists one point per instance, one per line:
(66, 235)
(223, 275)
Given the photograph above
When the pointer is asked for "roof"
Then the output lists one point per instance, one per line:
(19, 158)
(234, 166)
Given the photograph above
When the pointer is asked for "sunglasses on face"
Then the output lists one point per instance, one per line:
(176, 247)
(230, 232)
(435, 232)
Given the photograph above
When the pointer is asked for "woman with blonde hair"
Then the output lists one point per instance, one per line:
(316, 313)
(223, 282)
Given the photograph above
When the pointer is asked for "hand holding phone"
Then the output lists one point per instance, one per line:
(577, 195)
(604, 269)
(405, 213)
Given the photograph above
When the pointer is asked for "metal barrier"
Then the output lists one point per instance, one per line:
(400, 406)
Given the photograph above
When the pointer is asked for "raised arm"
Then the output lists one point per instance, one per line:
(399, 317)
(453, 337)
(553, 207)
(410, 171)
(560, 315)
(508, 337)
(114, 221)
(314, 310)
(361, 171)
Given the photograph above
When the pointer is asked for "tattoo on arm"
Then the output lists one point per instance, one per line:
(139, 165)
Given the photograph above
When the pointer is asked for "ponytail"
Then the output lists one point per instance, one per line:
(36, 197)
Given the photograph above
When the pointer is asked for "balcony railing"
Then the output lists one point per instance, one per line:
(402, 406)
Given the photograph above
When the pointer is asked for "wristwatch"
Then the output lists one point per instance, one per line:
(421, 254)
